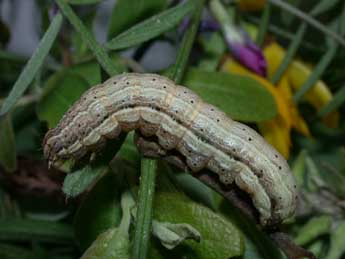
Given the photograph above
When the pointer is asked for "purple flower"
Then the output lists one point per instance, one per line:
(247, 52)
(209, 25)
(238, 41)
(206, 25)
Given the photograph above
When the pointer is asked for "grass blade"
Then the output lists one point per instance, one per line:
(8, 158)
(294, 45)
(82, 2)
(148, 166)
(321, 7)
(318, 71)
(151, 27)
(324, 62)
(104, 60)
(33, 65)
(187, 43)
(265, 19)
(307, 18)
(337, 100)
(124, 16)
(29, 230)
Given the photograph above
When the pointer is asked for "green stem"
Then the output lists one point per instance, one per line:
(318, 71)
(102, 57)
(265, 19)
(308, 19)
(144, 212)
(148, 166)
(294, 45)
(187, 43)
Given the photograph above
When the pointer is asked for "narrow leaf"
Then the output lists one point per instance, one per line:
(265, 19)
(60, 92)
(107, 64)
(125, 16)
(242, 98)
(309, 19)
(151, 27)
(290, 53)
(77, 182)
(34, 63)
(8, 158)
(337, 247)
(337, 100)
(312, 229)
(318, 71)
(29, 230)
(99, 210)
(82, 2)
(15, 252)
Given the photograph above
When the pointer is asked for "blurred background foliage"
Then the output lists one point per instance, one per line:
(275, 65)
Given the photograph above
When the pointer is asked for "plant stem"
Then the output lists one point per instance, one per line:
(187, 43)
(144, 212)
(105, 61)
(292, 50)
(308, 19)
(148, 166)
(265, 19)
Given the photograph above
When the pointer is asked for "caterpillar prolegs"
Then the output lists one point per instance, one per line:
(171, 119)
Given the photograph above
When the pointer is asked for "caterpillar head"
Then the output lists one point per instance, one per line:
(52, 148)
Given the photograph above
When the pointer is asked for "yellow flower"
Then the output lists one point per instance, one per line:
(297, 73)
(277, 130)
(251, 5)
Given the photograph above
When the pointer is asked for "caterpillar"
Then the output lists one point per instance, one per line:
(173, 123)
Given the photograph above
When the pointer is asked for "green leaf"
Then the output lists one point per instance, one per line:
(258, 244)
(60, 92)
(128, 150)
(264, 22)
(325, 60)
(82, 2)
(77, 182)
(290, 53)
(309, 19)
(337, 100)
(15, 252)
(314, 228)
(337, 248)
(125, 16)
(99, 211)
(219, 237)
(242, 98)
(171, 235)
(111, 244)
(214, 48)
(299, 168)
(114, 243)
(30, 230)
(182, 57)
(104, 60)
(8, 159)
(33, 65)
(151, 27)
(90, 71)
